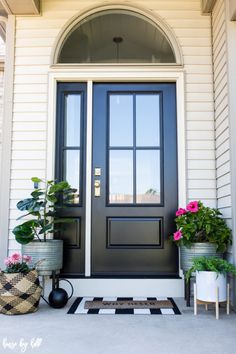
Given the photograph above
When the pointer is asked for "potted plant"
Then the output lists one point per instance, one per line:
(35, 234)
(211, 274)
(201, 231)
(19, 286)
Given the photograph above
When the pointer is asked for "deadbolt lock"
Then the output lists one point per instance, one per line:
(97, 171)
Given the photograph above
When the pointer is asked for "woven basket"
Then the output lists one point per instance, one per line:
(19, 292)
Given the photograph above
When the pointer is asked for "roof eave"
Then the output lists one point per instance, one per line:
(22, 7)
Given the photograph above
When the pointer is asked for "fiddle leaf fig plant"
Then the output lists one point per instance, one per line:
(43, 206)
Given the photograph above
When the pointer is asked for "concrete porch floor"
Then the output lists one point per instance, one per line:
(120, 334)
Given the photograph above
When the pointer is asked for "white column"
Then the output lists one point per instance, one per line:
(231, 57)
(88, 178)
(7, 137)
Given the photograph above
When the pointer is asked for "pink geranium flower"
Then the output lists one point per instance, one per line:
(180, 211)
(178, 235)
(15, 258)
(7, 262)
(192, 207)
(27, 259)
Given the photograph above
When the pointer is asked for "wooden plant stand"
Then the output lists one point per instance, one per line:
(217, 302)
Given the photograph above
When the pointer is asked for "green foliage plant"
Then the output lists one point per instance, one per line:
(211, 264)
(43, 207)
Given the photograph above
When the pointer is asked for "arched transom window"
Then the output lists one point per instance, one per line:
(116, 36)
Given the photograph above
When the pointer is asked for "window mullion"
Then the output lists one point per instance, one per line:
(134, 148)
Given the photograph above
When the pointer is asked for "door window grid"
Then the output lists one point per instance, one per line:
(72, 144)
(151, 195)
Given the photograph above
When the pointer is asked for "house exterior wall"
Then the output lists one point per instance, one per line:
(223, 167)
(34, 42)
(231, 55)
(2, 55)
(1, 111)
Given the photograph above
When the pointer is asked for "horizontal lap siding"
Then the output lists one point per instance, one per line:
(1, 111)
(2, 55)
(34, 40)
(221, 110)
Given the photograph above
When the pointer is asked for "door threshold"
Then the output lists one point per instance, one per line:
(100, 276)
(126, 287)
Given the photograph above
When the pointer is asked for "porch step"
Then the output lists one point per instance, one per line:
(126, 287)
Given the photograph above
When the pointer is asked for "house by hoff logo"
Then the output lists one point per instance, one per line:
(22, 344)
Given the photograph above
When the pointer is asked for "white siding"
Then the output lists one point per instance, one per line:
(2, 55)
(34, 40)
(1, 111)
(221, 109)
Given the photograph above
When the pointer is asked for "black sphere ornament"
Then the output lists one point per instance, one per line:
(58, 298)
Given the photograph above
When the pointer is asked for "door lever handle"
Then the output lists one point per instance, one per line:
(97, 188)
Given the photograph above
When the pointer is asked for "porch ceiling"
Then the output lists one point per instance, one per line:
(232, 10)
(22, 7)
(207, 6)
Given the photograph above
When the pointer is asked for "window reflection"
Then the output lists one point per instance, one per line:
(134, 149)
(147, 120)
(121, 176)
(72, 119)
(72, 174)
(148, 176)
(121, 120)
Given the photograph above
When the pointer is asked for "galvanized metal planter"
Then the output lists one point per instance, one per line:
(197, 249)
(51, 252)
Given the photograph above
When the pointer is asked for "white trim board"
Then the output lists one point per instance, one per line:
(5, 176)
(124, 287)
(114, 74)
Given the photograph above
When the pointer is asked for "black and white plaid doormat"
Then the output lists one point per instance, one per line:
(78, 307)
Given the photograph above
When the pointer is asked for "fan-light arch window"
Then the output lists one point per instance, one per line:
(116, 36)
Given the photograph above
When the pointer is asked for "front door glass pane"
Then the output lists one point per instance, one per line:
(134, 148)
(147, 120)
(72, 119)
(72, 173)
(148, 176)
(121, 120)
(121, 176)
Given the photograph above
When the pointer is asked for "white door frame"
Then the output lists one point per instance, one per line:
(91, 74)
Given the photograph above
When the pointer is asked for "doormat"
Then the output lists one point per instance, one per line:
(124, 306)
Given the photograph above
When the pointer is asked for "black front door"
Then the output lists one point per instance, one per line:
(134, 183)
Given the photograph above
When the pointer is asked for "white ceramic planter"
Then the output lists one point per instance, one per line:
(207, 283)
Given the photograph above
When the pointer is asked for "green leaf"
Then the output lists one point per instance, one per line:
(36, 180)
(25, 204)
(30, 204)
(24, 233)
(51, 198)
(59, 187)
(37, 193)
(24, 239)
